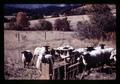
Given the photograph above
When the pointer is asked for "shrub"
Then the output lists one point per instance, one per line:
(58, 24)
(62, 24)
(85, 30)
(43, 25)
(65, 24)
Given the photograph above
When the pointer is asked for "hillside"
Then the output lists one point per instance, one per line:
(82, 9)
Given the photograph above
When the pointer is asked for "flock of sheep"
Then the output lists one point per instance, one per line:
(89, 57)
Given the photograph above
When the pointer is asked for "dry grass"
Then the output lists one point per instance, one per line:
(13, 65)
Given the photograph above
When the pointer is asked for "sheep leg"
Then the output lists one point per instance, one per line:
(84, 73)
(51, 60)
(24, 64)
(28, 65)
(40, 72)
(32, 61)
(82, 76)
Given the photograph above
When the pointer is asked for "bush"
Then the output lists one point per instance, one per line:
(58, 24)
(85, 30)
(43, 25)
(62, 25)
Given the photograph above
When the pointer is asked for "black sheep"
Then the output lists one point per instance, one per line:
(26, 57)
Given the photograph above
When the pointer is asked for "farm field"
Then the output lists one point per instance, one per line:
(17, 41)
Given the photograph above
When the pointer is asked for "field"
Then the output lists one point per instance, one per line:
(17, 41)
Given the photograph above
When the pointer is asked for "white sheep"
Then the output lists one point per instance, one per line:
(36, 51)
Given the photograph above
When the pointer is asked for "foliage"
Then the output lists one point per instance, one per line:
(62, 24)
(22, 20)
(43, 25)
(101, 22)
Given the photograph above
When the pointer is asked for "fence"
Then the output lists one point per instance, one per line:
(66, 71)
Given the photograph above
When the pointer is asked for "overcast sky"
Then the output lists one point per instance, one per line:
(34, 5)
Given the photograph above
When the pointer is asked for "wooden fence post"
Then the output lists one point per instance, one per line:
(65, 72)
(19, 44)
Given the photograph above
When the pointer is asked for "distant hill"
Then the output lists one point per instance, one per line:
(44, 10)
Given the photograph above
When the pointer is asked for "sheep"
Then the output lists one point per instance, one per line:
(106, 55)
(55, 53)
(63, 51)
(26, 57)
(44, 56)
(96, 57)
(49, 58)
(38, 50)
(91, 57)
(106, 52)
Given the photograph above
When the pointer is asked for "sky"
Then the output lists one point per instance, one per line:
(34, 5)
